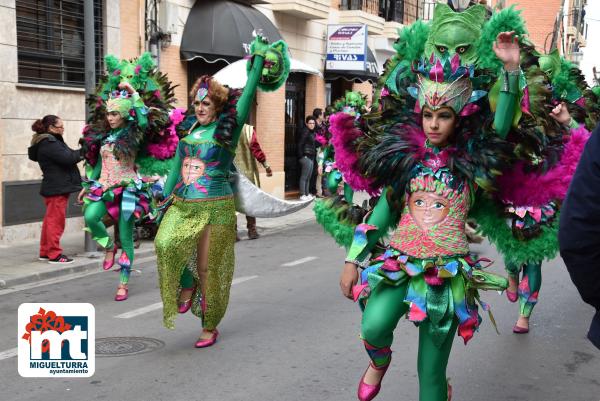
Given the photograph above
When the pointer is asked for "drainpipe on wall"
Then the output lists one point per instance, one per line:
(90, 86)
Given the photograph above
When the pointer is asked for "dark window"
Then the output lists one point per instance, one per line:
(22, 203)
(50, 41)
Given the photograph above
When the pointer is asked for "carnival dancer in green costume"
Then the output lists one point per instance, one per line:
(337, 213)
(128, 133)
(195, 240)
(431, 158)
(532, 191)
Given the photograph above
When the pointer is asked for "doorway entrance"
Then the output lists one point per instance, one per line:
(295, 92)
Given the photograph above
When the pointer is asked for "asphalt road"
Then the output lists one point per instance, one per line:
(290, 335)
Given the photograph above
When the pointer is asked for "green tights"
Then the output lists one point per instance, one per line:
(384, 308)
(94, 212)
(529, 286)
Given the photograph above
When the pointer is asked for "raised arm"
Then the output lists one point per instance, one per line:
(507, 50)
(259, 51)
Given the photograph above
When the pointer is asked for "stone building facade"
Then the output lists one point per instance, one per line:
(122, 30)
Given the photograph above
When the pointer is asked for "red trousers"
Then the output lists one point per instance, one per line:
(53, 225)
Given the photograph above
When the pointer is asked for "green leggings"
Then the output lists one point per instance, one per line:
(384, 308)
(529, 286)
(94, 212)
(187, 279)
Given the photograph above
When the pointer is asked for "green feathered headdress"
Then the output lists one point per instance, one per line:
(276, 67)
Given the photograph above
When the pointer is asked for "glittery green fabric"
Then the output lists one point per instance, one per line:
(176, 244)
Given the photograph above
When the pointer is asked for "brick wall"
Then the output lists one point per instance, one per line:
(131, 40)
(177, 71)
(539, 17)
(270, 130)
(315, 93)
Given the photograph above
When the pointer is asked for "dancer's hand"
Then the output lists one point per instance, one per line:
(561, 114)
(80, 196)
(261, 45)
(127, 86)
(348, 279)
(507, 50)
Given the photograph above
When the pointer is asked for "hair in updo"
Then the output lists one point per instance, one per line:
(41, 126)
(216, 92)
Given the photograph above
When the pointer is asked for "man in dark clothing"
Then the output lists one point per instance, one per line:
(579, 230)
(60, 178)
(307, 152)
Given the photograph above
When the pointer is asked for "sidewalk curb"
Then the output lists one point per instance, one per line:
(85, 266)
(88, 265)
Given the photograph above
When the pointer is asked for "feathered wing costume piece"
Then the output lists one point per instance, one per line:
(337, 214)
(530, 202)
(151, 138)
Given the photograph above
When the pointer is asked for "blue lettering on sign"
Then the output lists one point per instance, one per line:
(345, 57)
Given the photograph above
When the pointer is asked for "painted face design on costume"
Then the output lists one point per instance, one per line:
(455, 32)
(192, 169)
(428, 208)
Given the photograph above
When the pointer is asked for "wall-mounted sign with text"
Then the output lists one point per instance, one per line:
(346, 47)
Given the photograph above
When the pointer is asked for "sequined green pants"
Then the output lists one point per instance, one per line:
(176, 249)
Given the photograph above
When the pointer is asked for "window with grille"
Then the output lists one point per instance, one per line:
(50, 41)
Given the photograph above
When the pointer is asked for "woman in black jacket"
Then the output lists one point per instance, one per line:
(307, 151)
(61, 177)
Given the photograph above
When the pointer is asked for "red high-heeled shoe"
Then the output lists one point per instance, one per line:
(107, 264)
(203, 343)
(366, 392)
(185, 306)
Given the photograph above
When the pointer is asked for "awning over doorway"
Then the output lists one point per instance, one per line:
(222, 30)
(370, 74)
(234, 75)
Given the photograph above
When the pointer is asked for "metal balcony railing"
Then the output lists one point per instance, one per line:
(368, 6)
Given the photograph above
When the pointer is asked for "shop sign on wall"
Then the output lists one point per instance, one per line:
(346, 47)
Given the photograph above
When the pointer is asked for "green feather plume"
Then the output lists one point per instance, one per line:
(332, 215)
(149, 166)
(492, 224)
(409, 47)
(508, 19)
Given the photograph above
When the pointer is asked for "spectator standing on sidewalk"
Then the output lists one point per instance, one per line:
(579, 230)
(307, 152)
(247, 153)
(61, 177)
(316, 176)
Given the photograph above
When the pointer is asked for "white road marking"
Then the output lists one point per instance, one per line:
(128, 315)
(9, 353)
(158, 305)
(300, 261)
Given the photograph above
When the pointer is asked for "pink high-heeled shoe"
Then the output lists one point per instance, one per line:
(203, 343)
(122, 297)
(107, 264)
(186, 305)
(512, 296)
(366, 392)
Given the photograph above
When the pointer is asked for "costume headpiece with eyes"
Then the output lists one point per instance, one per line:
(149, 134)
(446, 83)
